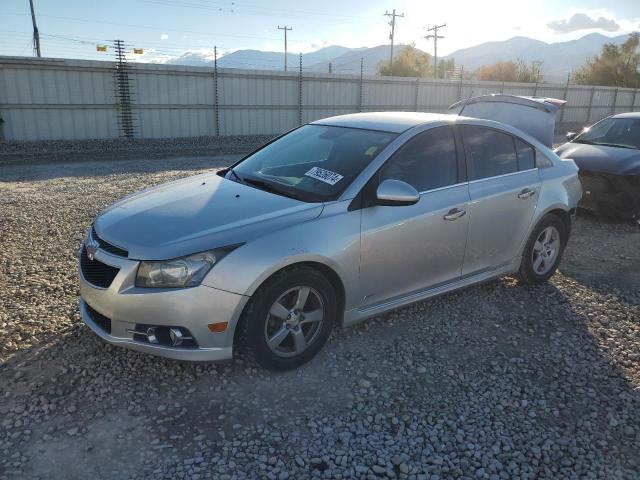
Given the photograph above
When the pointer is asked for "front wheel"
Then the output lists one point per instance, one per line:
(288, 319)
(543, 251)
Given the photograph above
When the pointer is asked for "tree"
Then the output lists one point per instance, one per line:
(519, 71)
(446, 67)
(499, 71)
(529, 73)
(409, 62)
(616, 66)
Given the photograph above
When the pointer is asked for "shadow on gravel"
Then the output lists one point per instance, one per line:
(52, 171)
(526, 368)
(501, 378)
(606, 258)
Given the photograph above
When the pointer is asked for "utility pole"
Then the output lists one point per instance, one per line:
(393, 16)
(36, 34)
(435, 37)
(286, 29)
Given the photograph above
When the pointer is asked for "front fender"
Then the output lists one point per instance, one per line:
(333, 240)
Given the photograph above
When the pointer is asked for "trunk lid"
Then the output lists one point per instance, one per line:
(533, 115)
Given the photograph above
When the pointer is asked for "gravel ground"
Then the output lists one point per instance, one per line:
(497, 381)
(48, 151)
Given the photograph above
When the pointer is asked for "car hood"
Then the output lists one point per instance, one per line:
(196, 214)
(602, 159)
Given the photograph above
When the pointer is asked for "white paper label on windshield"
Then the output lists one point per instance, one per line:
(326, 176)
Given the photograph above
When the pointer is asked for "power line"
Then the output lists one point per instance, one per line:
(253, 10)
(393, 16)
(435, 37)
(286, 29)
(287, 10)
(149, 27)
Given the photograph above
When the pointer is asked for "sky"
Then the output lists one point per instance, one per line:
(168, 28)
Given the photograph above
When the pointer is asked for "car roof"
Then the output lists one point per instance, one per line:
(396, 122)
(628, 115)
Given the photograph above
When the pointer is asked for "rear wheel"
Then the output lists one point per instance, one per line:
(288, 319)
(543, 251)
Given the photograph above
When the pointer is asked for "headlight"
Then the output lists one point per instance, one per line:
(180, 272)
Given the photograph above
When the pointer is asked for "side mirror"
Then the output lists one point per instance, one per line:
(396, 193)
(571, 136)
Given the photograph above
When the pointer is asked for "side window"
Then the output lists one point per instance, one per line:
(526, 155)
(426, 162)
(542, 161)
(491, 153)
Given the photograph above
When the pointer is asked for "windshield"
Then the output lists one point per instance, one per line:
(614, 132)
(314, 163)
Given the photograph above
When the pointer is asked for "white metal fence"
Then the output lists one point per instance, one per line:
(43, 99)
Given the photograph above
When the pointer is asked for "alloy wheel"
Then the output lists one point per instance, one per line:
(294, 321)
(545, 250)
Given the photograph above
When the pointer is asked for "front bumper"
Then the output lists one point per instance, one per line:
(613, 195)
(127, 307)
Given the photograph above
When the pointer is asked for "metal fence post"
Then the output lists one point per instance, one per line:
(615, 100)
(566, 92)
(593, 92)
(535, 90)
(460, 84)
(361, 85)
(633, 100)
(216, 106)
(417, 92)
(300, 92)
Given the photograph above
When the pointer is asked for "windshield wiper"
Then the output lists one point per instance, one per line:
(616, 145)
(269, 187)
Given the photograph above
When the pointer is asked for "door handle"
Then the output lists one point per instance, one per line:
(526, 193)
(454, 214)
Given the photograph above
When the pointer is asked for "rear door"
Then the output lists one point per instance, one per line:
(504, 187)
(409, 248)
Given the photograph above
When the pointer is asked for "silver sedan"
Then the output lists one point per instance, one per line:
(332, 223)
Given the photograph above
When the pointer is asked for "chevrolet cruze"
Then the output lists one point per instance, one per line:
(332, 223)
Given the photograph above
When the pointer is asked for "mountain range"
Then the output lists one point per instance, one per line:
(558, 58)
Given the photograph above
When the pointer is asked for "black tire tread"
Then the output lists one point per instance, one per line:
(525, 273)
(242, 336)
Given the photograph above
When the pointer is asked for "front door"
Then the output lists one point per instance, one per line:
(406, 249)
(504, 186)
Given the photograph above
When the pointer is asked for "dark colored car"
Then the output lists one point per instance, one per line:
(608, 155)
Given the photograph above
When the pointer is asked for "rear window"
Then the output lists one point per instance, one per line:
(526, 155)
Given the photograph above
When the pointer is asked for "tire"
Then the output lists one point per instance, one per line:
(263, 320)
(532, 269)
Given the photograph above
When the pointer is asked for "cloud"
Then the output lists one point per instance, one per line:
(582, 21)
(164, 36)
